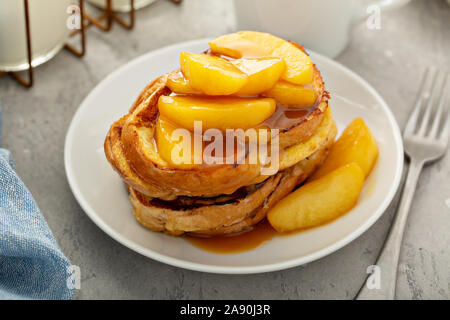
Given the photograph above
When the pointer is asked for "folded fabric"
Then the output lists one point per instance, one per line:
(32, 265)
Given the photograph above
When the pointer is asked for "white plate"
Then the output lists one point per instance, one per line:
(101, 193)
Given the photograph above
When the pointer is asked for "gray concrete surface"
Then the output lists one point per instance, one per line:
(391, 59)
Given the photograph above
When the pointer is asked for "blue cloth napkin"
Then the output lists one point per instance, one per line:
(32, 265)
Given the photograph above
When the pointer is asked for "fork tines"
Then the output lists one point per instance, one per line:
(431, 116)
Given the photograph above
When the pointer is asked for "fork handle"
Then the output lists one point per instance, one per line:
(388, 259)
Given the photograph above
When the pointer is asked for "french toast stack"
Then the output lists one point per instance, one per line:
(246, 80)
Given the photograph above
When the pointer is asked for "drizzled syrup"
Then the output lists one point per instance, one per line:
(255, 237)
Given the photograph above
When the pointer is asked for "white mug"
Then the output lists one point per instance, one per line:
(48, 27)
(122, 5)
(321, 25)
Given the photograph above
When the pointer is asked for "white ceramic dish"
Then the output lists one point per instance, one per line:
(48, 27)
(102, 195)
(122, 5)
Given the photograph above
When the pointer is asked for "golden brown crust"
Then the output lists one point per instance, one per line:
(300, 131)
(115, 155)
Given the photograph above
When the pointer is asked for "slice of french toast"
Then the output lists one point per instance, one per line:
(130, 148)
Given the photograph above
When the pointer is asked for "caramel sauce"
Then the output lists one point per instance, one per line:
(282, 118)
(255, 237)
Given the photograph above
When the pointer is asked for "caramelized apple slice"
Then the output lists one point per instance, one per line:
(212, 75)
(179, 84)
(356, 144)
(299, 67)
(216, 113)
(292, 95)
(176, 149)
(262, 73)
(319, 201)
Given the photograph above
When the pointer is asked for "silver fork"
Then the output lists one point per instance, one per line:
(426, 138)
